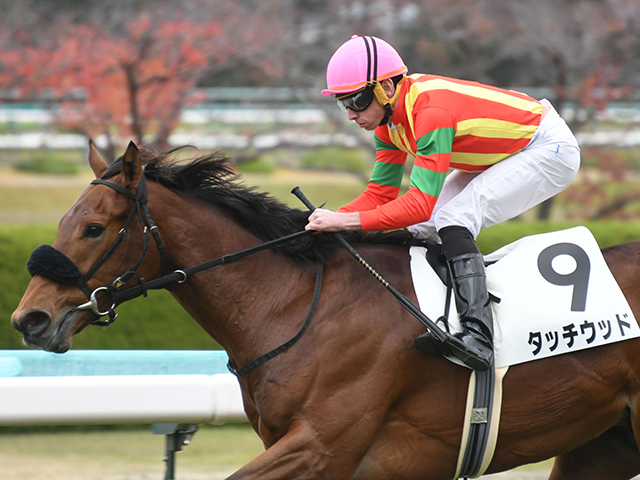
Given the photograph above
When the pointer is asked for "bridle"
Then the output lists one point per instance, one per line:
(55, 265)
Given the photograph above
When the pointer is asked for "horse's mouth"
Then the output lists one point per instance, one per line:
(61, 339)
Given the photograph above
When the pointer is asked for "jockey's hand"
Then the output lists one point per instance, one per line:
(322, 220)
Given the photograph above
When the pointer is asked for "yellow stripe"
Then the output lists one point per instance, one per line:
(400, 140)
(409, 100)
(405, 140)
(490, 128)
(478, 158)
(476, 91)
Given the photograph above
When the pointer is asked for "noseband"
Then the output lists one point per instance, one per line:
(56, 266)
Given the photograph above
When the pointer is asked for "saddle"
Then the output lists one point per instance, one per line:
(553, 294)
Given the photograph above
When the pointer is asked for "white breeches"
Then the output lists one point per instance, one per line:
(545, 167)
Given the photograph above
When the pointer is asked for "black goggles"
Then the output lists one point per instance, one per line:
(356, 102)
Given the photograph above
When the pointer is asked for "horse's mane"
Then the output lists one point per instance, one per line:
(211, 179)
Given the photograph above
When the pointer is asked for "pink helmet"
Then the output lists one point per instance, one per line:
(359, 62)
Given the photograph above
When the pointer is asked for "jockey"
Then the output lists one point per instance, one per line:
(506, 153)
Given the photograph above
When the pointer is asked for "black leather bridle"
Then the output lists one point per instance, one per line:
(55, 265)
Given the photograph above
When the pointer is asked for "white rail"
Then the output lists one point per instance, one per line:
(120, 399)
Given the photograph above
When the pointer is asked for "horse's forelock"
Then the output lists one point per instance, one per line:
(152, 160)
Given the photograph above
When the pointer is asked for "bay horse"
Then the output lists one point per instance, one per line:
(352, 398)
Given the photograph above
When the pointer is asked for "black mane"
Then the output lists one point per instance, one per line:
(211, 178)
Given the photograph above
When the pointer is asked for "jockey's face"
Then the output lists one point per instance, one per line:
(371, 117)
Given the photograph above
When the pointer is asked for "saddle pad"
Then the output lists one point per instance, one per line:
(557, 295)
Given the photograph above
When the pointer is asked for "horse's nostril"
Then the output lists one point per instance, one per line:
(34, 323)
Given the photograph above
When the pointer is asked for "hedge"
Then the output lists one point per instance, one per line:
(158, 322)
(607, 233)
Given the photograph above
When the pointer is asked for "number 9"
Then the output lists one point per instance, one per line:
(579, 278)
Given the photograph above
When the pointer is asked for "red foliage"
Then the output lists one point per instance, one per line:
(129, 85)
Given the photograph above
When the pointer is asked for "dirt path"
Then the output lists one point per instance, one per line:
(519, 475)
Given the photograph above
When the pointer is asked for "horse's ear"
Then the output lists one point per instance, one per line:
(131, 167)
(97, 164)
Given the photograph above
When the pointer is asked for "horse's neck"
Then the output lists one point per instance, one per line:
(242, 304)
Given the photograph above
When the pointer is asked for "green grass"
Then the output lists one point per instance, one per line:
(47, 205)
(607, 233)
(337, 159)
(48, 159)
(16, 244)
(215, 452)
(133, 453)
(49, 163)
(29, 198)
(6, 128)
(36, 199)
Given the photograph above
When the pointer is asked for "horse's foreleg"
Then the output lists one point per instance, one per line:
(611, 456)
(298, 455)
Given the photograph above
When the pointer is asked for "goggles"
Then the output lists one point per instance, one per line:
(356, 102)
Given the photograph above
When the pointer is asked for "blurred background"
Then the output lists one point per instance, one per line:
(245, 76)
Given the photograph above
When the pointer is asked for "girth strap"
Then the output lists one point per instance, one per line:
(481, 423)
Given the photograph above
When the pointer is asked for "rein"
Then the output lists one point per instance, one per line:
(238, 372)
(180, 276)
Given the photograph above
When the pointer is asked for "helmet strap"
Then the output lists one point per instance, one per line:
(372, 81)
(385, 101)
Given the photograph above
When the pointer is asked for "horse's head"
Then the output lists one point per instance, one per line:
(99, 246)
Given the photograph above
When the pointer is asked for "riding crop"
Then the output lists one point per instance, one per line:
(442, 336)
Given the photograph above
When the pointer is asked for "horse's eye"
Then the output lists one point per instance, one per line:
(93, 231)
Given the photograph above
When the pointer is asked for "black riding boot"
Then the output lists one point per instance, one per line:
(474, 345)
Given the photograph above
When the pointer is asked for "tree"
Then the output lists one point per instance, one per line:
(133, 77)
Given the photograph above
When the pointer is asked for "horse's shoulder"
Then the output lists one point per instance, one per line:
(624, 262)
(624, 253)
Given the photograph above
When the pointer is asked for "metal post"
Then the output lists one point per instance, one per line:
(178, 434)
